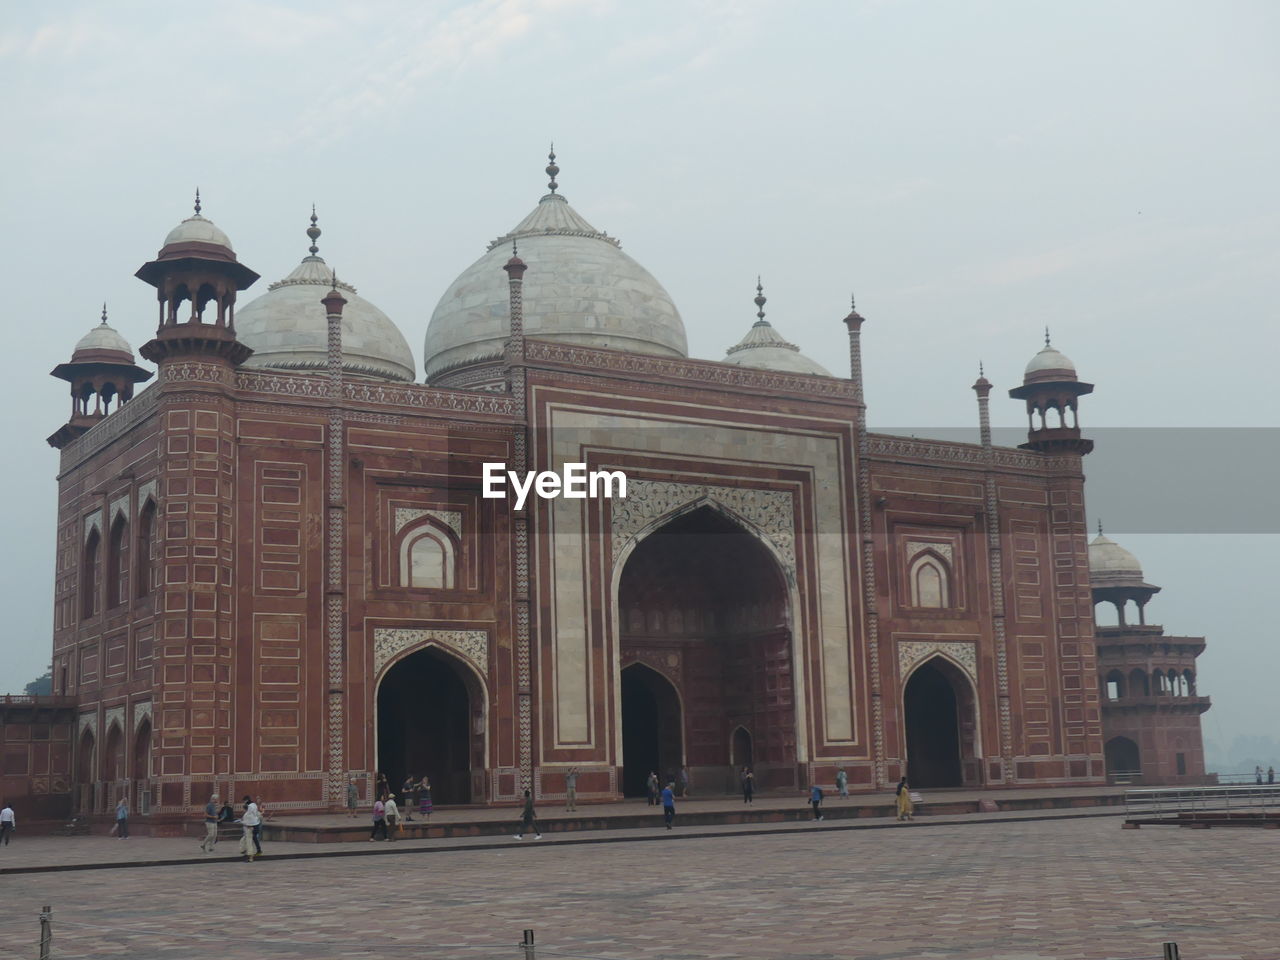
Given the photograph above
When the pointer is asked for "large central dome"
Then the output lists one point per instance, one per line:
(580, 288)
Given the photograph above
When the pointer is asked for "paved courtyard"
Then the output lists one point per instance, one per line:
(996, 890)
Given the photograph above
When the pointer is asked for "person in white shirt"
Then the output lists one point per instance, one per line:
(251, 820)
(8, 824)
(393, 816)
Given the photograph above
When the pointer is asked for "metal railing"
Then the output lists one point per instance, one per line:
(1192, 803)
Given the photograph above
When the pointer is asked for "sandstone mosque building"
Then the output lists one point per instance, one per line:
(277, 570)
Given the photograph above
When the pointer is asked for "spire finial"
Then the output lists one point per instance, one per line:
(760, 300)
(313, 232)
(1099, 526)
(515, 251)
(853, 302)
(1046, 335)
(334, 288)
(104, 313)
(981, 372)
(197, 201)
(552, 169)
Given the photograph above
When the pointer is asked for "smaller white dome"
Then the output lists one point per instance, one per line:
(1050, 358)
(763, 347)
(199, 230)
(1112, 565)
(103, 337)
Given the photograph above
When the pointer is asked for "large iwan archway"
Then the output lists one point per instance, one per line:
(707, 604)
(430, 723)
(939, 713)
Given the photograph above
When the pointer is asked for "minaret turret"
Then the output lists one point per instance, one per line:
(1051, 388)
(101, 373)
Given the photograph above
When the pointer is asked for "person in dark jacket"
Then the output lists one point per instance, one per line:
(528, 820)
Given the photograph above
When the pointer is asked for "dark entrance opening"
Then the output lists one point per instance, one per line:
(933, 729)
(707, 605)
(424, 726)
(651, 727)
(1122, 757)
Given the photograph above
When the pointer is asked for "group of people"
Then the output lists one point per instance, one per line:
(416, 794)
(1271, 774)
(250, 819)
(681, 785)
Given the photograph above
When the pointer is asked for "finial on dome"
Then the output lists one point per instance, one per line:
(197, 201)
(981, 372)
(1046, 335)
(760, 301)
(1099, 526)
(334, 286)
(552, 169)
(853, 302)
(104, 313)
(313, 232)
(515, 251)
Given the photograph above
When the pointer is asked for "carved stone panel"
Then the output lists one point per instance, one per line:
(388, 642)
(769, 513)
(963, 653)
(450, 518)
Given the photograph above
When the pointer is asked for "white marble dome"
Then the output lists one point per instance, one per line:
(1047, 359)
(765, 348)
(1110, 563)
(288, 329)
(580, 288)
(103, 338)
(199, 230)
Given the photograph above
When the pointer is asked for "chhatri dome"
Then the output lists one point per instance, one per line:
(197, 229)
(1049, 364)
(1111, 565)
(580, 289)
(765, 348)
(288, 329)
(102, 344)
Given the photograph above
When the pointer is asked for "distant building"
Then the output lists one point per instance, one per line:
(1150, 704)
(276, 570)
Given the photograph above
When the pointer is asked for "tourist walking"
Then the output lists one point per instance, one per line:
(651, 787)
(842, 783)
(815, 798)
(528, 820)
(251, 822)
(409, 793)
(904, 805)
(353, 797)
(748, 785)
(210, 825)
(8, 823)
(379, 820)
(393, 815)
(424, 803)
(122, 820)
(669, 804)
(571, 789)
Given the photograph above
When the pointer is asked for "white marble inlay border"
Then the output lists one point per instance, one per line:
(919, 546)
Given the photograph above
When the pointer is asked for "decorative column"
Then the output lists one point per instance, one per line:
(854, 323)
(335, 538)
(514, 356)
(995, 572)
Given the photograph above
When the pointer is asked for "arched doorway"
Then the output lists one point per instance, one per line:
(939, 712)
(142, 751)
(430, 723)
(86, 773)
(741, 749)
(113, 755)
(1123, 757)
(709, 603)
(652, 729)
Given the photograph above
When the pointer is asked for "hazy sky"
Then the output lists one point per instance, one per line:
(974, 171)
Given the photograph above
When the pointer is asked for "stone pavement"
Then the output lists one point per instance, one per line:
(1078, 887)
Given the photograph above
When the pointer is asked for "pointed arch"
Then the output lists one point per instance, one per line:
(428, 555)
(929, 576)
(144, 566)
(653, 727)
(142, 750)
(91, 573)
(940, 722)
(113, 757)
(118, 561)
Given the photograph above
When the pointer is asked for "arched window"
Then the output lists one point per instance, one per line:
(428, 557)
(90, 574)
(118, 562)
(1138, 685)
(1189, 679)
(930, 585)
(143, 568)
(1115, 685)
